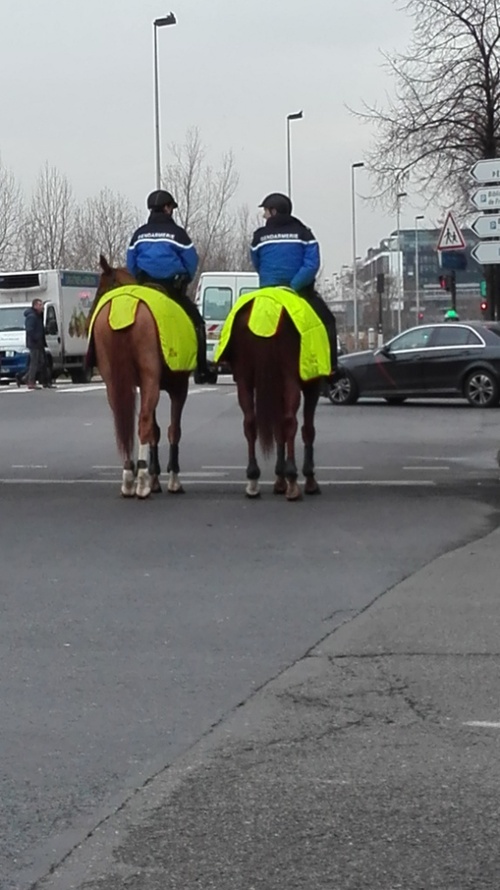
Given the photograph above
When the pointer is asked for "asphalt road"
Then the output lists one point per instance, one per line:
(129, 629)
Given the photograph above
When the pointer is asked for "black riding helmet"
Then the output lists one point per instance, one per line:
(278, 202)
(159, 199)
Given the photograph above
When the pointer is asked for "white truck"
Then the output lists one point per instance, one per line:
(216, 294)
(67, 297)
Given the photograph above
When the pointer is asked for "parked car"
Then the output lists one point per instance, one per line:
(459, 359)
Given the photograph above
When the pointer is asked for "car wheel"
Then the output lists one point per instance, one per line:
(481, 389)
(395, 400)
(344, 390)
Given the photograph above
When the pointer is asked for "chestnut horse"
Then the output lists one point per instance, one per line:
(266, 372)
(128, 360)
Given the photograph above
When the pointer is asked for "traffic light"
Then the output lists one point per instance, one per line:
(444, 282)
(483, 288)
(484, 306)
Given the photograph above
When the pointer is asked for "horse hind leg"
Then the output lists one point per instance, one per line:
(147, 438)
(247, 405)
(173, 469)
(290, 426)
(280, 481)
(143, 482)
(311, 396)
(154, 462)
(128, 479)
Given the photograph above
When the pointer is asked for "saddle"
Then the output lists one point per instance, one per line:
(176, 331)
(268, 306)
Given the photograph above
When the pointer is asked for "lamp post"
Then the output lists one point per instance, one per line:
(290, 117)
(400, 271)
(354, 167)
(417, 270)
(169, 19)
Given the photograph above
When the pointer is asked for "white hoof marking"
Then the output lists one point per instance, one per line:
(143, 487)
(128, 484)
(252, 489)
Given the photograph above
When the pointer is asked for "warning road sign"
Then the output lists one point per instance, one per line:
(451, 237)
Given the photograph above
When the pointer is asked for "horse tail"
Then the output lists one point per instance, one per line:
(122, 390)
(268, 390)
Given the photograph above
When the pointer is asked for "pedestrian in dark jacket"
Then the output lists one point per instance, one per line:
(161, 252)
(285, 253)
(36, 343)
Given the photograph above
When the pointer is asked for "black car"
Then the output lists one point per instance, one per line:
(437, 360)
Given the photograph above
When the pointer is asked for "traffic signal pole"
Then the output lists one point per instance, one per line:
(453, 289)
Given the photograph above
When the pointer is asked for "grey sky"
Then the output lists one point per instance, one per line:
(77, 91)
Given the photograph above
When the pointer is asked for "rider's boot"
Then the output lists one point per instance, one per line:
(203, 373)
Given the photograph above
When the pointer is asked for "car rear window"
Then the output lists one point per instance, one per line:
(455, 336)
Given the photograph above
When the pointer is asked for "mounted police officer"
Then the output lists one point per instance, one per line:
(285, 253)
(162, 253)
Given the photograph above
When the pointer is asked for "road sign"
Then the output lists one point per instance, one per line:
(453, 259)
(486, 170)
(487, 198)
(487, 253)
(486, 226)
(451, 237)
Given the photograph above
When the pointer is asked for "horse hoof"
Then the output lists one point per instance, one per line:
(252, 495)
(156, 487)
(143, 493)
(252, 490)
(178, 489)
(311, 486)
(293, 492)
(127, 492)
(279, 487)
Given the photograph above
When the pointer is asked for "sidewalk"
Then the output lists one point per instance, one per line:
(355, 769)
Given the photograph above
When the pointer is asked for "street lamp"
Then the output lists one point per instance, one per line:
(400, 283)
(354, 167)
(417, 270)
(290, 117)
(169, 19)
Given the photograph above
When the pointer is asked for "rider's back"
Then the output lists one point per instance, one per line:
(162, 249)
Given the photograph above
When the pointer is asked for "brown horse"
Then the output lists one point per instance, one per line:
(128, 360)
(266, 371)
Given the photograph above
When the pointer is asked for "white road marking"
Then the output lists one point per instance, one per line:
(91, 387)
(201, 474)
(428, 469)
(29, 466)
(483, 723)
(226, 467)
(373, 483)
(447, 458)
(106, 467)
(233, 467)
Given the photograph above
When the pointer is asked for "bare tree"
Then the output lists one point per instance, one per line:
(204, 195)
(103, 224)
(446, 111)
(11, 217)
(48, 226)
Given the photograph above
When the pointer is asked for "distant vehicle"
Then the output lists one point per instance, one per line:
(455, 359)
(67, 297)
(216, 295)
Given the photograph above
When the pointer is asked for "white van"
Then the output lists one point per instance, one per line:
(216, 295)
(67, 297)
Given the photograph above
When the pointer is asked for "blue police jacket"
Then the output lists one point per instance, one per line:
(285, 253)
(162, 249)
